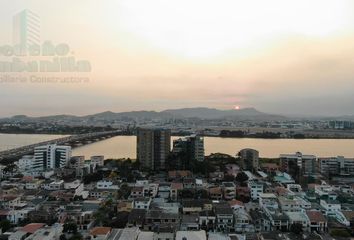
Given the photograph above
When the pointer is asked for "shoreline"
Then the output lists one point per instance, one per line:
(180, 135)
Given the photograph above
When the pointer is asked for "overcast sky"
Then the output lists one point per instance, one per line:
(279, 56)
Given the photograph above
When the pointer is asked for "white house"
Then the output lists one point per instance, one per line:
(106, 184)
(333, 209)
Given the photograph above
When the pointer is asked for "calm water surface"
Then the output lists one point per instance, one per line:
(9, 141)
(125, 146)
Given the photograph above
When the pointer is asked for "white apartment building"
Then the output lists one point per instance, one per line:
(15, 216)
(333, 209)
(325, 191)
(268, 202)
(141, 203)
(337, 165)
(54, 185)
(295, 204)
(50, 157)
(77, 187)
(24, 164)
(256, 189)
(106, 184)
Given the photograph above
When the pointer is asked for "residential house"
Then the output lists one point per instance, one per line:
(318, 222)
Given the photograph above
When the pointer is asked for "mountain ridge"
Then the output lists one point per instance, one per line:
(196, 112)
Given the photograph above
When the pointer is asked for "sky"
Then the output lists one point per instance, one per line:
(278, 56)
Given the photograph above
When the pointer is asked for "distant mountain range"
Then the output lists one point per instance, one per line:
(184, 113)
(212, 113)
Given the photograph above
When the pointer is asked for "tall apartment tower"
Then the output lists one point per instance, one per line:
(193, 146)
(26, 30)
(51, 157)
(249, 159)
(197, 143)
(153, 147)
(305, 163)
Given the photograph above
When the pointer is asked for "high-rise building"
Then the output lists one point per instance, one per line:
(341, 124)
(197, 143)
(305, 163)
(337, 166)
(51, 157)
(26, 30)
(153, 147)
(192, 147)
(77, 161)
(249, 159)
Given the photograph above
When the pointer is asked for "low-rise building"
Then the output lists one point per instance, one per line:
(142, 203)
(224, 217)
(332, 208)
(256, 188)
(106, 184)
(190, 222)
(216, 193)
(207, 220)
(175, 190)
(299, 218)
(317, 221)
(191, 235)
(229, 190)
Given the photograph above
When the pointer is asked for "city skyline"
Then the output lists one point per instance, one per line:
(145, 56)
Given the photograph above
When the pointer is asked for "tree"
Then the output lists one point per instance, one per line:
(5, 225)
(202, 194)
(241, 177)
(76, 236)
(62, 237)
(11, 168)
(229, 178)
(93, 177)
(124, 191)
(113, 175)
(70, 227)
(296, 228)
(186, 193)
(78, 198)
(121, 220)
(340, 233)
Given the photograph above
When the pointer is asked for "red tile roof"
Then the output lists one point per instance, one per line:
(316, 216)
(281, 190)
(183, 173)
(215, 190)
(32, 227)
(235, 202)
(100, 231)
(4, 212)
(177, 186)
